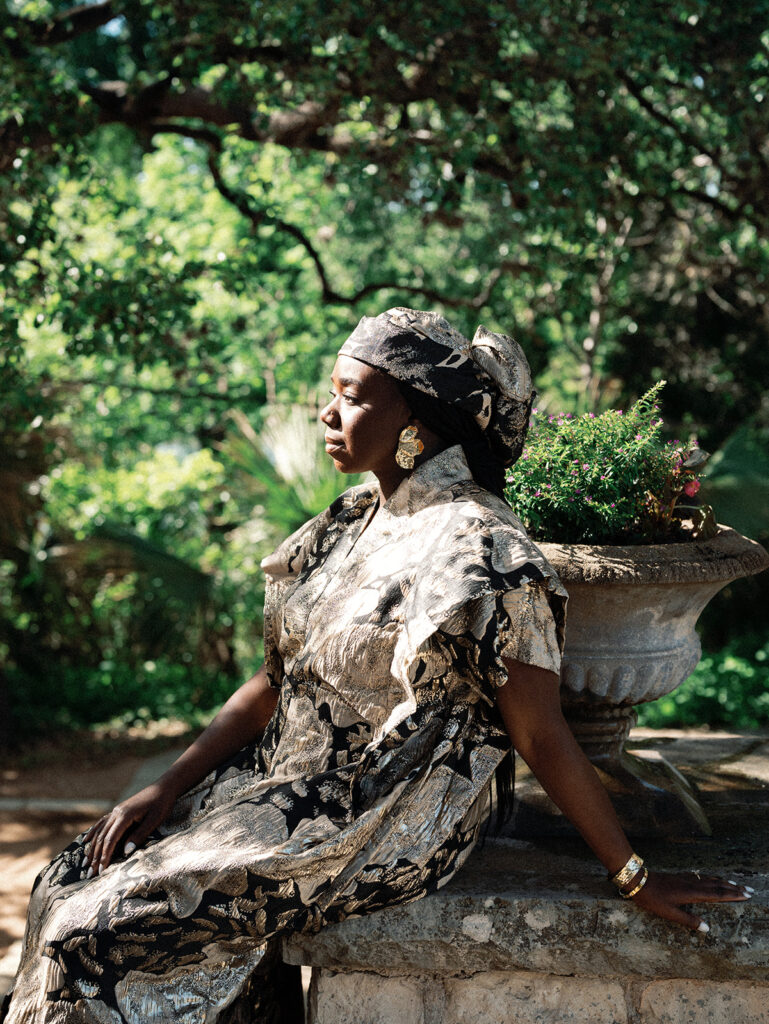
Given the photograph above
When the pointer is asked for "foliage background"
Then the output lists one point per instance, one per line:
(197, 202)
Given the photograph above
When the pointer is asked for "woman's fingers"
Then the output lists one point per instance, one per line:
(138, 836)
(97, 846)
(129, 823)
(119, 825)
(695, 888)
(93, 843)
(680, 916)
(102, 839)
(96, 825)
(667, 895)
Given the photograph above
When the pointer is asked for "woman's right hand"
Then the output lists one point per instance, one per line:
(242, 720)
(129, 823)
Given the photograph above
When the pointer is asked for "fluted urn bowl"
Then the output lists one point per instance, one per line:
(631, 638)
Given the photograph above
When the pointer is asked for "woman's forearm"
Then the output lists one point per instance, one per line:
(531, 710)
(241, 721)
(571, 782)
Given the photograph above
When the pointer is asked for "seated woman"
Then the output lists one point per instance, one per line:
(412, 633)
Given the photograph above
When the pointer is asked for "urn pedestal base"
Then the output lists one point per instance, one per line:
(651, 796)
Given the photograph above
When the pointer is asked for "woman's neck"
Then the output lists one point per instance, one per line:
(390, 480)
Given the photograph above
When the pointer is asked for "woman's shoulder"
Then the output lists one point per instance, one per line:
(288, 557)
(470, 507)
(490, 508)
(481, 527)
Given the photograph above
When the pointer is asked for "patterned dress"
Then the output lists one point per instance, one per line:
(384, 634)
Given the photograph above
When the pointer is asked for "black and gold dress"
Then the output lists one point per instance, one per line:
(384, 633)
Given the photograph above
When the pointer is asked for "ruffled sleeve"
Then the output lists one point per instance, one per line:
(488, 591)
(528, 630)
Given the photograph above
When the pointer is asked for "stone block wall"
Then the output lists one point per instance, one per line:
(526, 997)
(531, 932)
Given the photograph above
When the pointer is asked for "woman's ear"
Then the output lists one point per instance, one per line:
(428, 437)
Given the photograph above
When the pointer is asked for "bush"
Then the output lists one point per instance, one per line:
(608, 479)
(728, 689)
(75, 697)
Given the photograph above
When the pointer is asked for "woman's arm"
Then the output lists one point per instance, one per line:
(241, 720)
(531, 710)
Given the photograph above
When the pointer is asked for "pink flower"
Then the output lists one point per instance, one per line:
(691, 487)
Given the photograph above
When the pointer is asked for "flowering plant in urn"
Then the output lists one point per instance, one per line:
(609, 479)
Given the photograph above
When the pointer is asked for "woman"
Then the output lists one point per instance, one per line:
(412, 632)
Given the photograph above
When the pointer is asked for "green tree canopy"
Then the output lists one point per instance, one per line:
(590, 175)
(197, 201)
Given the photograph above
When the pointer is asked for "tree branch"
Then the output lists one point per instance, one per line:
(257, 216)
(69, 24)
(600, 292)
(718, 204)
(311, 125)
(688, 138)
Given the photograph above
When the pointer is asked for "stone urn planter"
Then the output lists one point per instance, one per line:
(630, 638)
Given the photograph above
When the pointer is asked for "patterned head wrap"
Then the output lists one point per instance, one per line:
(488, 377)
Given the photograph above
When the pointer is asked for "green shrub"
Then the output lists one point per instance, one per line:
(75, 697)
(728, 689)
(608, 479)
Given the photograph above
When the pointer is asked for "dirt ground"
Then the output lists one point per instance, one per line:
(81, 768)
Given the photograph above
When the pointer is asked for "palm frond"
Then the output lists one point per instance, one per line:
(285, 466)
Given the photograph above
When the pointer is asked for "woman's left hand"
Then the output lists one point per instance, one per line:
(665, 895)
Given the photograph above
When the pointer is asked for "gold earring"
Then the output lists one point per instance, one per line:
(409, 446)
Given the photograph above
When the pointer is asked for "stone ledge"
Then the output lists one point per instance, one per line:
(545, 905)
(511, 909)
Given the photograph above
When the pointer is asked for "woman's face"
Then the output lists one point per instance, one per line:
(363, 419)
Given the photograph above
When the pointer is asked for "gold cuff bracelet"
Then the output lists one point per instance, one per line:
(626, 874)
(636, 889)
